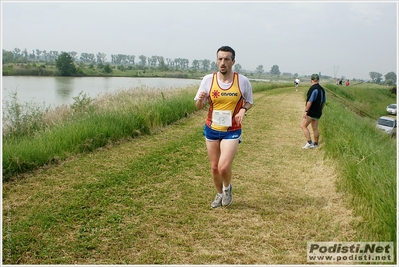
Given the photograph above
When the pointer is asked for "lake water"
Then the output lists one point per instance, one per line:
(55, 91)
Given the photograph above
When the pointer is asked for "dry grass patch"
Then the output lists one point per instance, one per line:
(294, 188)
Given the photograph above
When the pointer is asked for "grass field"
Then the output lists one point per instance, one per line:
(147, 200)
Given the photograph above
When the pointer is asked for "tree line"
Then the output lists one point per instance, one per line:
(390, 78)
(23, 56)
(100, 59)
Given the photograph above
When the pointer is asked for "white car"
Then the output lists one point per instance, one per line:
(391, 109)
(388, 124)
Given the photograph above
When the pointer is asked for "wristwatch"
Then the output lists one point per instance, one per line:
(246, 109)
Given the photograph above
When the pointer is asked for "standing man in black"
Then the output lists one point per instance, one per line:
(315, 102)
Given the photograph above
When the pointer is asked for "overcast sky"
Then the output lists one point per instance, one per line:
(336, 38)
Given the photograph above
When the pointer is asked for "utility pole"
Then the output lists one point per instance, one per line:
(335, 71)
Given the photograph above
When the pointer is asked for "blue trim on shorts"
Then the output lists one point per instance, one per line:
(213, 135)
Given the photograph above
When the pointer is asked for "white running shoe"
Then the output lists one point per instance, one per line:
(227, 196)
(218, 201)
(307, 146)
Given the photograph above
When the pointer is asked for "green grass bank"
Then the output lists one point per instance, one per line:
(366, 162)
(92, 125)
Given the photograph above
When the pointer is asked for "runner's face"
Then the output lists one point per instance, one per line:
(225, 62)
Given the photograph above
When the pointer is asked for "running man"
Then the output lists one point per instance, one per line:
(230, 96)
(297, 83)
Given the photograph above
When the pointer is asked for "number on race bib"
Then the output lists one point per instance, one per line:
(222, 118)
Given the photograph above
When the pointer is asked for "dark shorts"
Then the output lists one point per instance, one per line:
(315, 118)
(212, 135)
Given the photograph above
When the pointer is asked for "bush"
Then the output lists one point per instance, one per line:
(8, 70)
(107, 69)
(22, 119)
(65, 65)
(390, 82)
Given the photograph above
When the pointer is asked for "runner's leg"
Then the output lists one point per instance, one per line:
(213, 148)
(228, 150)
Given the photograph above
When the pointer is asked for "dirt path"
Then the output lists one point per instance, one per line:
(292, 190)
(283, 197)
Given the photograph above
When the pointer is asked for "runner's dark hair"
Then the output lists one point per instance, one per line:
(227, 49)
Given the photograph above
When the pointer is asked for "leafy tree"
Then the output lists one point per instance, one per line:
(87, 57)
(390, 76)
(143, 60)
(161, 63)
(65, 64)
(152, 61)
(389, 82)
(101, 58)
(16, 52)
(237, 68)
(25, 53)
(169, 62)
(45, 54)
(38, 53)
(8, 56)
(196, 64)
(275, 70)
(259, 69)
(375, 77)
(131, 59)
(53, 55)
(182, 63)
(73, 55)
(214, 66)
(118, 59)
(205, 64)
(32, 56)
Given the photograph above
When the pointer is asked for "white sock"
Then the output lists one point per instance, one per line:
(226, 188)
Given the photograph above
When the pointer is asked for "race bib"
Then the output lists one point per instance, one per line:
(222, 118)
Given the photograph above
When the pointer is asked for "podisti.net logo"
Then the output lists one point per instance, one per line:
(366, 252)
